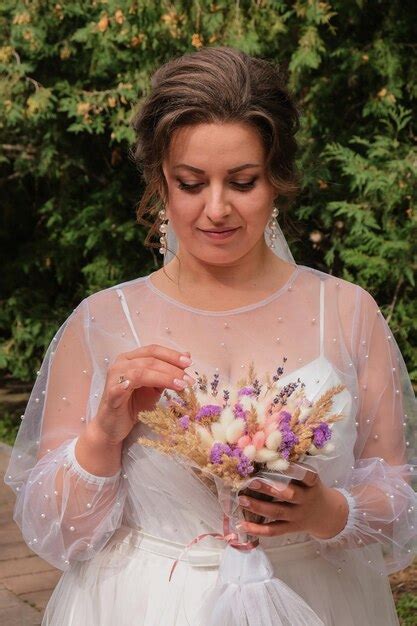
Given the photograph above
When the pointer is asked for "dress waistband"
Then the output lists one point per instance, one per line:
(200, 556)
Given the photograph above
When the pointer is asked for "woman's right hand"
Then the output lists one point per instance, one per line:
(148, 370)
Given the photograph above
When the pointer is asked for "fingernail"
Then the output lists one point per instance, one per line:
(185, 360)
(256, 484)
(125, 384)
(280, 487)
(189, 379)
(244, 501)
(180, 383)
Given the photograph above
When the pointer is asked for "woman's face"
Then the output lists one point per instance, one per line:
(216, 179)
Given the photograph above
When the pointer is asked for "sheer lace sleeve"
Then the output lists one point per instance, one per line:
(64, 512)
(379, 488)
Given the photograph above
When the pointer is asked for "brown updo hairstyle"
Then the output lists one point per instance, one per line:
(215, 84)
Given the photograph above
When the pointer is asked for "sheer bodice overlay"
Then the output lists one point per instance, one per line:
(321, 329)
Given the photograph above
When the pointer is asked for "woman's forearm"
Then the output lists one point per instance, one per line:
(95, 454)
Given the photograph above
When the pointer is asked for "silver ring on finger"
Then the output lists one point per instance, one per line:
(122, 377)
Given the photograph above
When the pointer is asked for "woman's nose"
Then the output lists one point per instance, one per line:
(217, 209)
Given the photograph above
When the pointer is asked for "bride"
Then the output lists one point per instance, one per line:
(216, 145)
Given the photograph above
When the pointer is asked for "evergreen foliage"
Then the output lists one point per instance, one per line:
(72, 72)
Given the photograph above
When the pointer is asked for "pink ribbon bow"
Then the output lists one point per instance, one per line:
(230, 537)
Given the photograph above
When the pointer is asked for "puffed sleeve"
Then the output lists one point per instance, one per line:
(380, 487)
(65, 513)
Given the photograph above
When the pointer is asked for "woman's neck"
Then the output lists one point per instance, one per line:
(199, 285)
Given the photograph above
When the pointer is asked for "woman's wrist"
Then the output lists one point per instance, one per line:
(97, 436)
(335, 515)
(96, 453)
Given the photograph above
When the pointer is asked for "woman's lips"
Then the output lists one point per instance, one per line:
(219, 235)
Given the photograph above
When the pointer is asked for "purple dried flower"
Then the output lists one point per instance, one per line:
(214, 384)
(257, 387)
(284, 418)
(184, 421)
(208, 410)
(244, 466)
(217, 451)
(239, 411)
(321, 434)
(246, 391)
(289, 440)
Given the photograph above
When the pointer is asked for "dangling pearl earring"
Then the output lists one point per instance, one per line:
(272, 224)
(163, 229)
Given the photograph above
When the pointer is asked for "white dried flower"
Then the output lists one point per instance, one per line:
(263, 455)
(246, 402)
(304, 413)
(235, 430)
(278, 466)
(219, 432)
(250, 451)
(274, 440)
(227, 416)
(202, 398)
(206, 438)
(261, 406)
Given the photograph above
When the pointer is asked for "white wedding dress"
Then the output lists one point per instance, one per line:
(117, 537)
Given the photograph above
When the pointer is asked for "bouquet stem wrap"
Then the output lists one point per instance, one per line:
(246, 592)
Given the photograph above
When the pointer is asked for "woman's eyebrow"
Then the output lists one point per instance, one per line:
(231, 171)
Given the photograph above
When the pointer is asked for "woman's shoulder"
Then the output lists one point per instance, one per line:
(112, 293)
(352, 299)
(332, 282)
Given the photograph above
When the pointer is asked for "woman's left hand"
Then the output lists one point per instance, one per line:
(306, 505)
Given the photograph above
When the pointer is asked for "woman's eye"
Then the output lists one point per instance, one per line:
(186, 187)
(249, 185)
(241, 186)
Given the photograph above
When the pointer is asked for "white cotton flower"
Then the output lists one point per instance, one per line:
(206, 438)
(202, 398)
(261, 406)
(246, 402)
(273, 441)
(278, 466)
(226, 416)
(264, 455)
(219, 432)
(250, 452)
(313, 450)
(293, 402)
(235, 430)
(328, 447)
(304, 413)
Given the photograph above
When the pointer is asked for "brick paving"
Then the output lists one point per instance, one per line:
(26, 581)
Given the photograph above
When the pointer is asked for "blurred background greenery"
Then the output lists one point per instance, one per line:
(71, 75)
(72, 72)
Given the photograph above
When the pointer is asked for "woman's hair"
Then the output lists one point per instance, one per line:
(214, 85)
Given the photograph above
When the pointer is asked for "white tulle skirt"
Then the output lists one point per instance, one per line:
(127, 584)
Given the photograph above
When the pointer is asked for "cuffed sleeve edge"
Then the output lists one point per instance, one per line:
(351, 522)
(72, 460)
